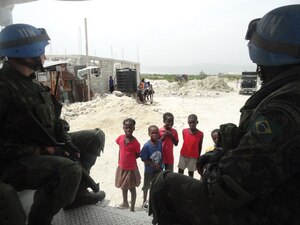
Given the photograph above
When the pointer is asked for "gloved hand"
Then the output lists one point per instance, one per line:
(209, 157)
(229, 136)
(202, 162)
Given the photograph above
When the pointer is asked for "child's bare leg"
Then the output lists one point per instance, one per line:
(191, 173)
(145, 196)
(133, 198)
(125, 198)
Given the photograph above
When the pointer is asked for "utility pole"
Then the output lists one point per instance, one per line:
(79, 41)
(87, 60)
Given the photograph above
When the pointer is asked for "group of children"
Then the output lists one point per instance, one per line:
(157, 155)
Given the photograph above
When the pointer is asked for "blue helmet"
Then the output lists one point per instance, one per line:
(23, 41)
(274, 39)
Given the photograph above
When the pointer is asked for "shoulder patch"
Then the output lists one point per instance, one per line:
(266, 129)
(263, 127)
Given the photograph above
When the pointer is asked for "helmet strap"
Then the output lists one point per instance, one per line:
(267, 73)
(36, 65)
(259, 70)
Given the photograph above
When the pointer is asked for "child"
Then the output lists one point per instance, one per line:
(214, 136)
(151, 155)
(215, 152)
(191, 148)
(128, 175)
(169, 138)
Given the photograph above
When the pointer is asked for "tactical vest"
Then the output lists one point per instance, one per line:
(24, 95)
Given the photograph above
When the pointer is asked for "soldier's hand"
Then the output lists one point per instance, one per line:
(77, 155)
(50, 150)
(202, 162)
(72, 149)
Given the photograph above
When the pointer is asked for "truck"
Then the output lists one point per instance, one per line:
(248, 83)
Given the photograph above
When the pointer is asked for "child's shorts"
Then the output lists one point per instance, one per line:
(148, 180)
(189, 163)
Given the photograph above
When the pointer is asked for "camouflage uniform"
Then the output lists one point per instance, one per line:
(24, 163)
(11, 211)
(256, 181)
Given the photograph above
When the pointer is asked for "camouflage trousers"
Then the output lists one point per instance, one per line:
(56, 179)
(90, 144)
(11, 211)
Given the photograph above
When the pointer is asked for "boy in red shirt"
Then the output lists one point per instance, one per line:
(127, 174)
(192, 146)
(169, 138)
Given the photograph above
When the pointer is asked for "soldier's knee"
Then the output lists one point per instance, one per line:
(69, 181)
(7, 195)
(11, 210)
(100, 137)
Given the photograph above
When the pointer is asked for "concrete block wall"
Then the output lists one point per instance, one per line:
(108, 68)
(100, 84)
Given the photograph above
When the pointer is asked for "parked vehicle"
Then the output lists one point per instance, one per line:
(248, 83)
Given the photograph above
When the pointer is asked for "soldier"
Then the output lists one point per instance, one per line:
(254, 178)
(27, 159)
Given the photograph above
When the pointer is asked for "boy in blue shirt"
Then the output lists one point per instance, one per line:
(151, 155)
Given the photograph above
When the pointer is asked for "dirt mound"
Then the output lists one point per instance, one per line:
(206, 87)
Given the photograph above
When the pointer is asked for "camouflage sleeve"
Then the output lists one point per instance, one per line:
(2, 107)
(4, 102)
(9, 148)
(268, 154)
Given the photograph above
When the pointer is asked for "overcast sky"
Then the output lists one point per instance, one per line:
(156, 32)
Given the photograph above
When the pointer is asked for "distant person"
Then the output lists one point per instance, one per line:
(254, 178)
(141, 90)
(147, 84)
(148, 95)
(151, 155)
(142, 86)
(237, 83)
(128, 175)
(191, 147)
(111, 84)
(214, 136)
(169, 138)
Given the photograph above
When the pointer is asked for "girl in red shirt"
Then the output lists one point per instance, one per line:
(128, 175)
(191, 148)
